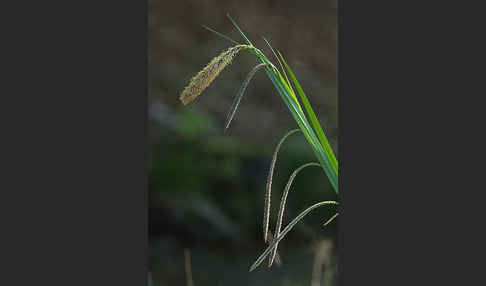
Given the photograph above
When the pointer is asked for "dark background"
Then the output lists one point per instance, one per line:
(205, 188)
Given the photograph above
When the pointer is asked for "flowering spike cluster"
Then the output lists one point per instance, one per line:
(204, 78)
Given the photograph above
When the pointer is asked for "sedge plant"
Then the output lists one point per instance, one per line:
(294, 97)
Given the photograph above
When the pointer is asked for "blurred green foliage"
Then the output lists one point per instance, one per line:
(193, 162)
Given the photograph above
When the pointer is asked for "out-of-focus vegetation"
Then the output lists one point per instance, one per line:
(206, 189)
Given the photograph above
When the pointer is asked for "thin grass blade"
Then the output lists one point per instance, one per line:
(239, 30)
(221, 35)
(281, 66)
(289, 90)
(331, 219)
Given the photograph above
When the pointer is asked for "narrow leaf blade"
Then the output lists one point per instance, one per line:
(313, 118)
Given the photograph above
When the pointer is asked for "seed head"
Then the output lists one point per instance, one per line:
(204, 78)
